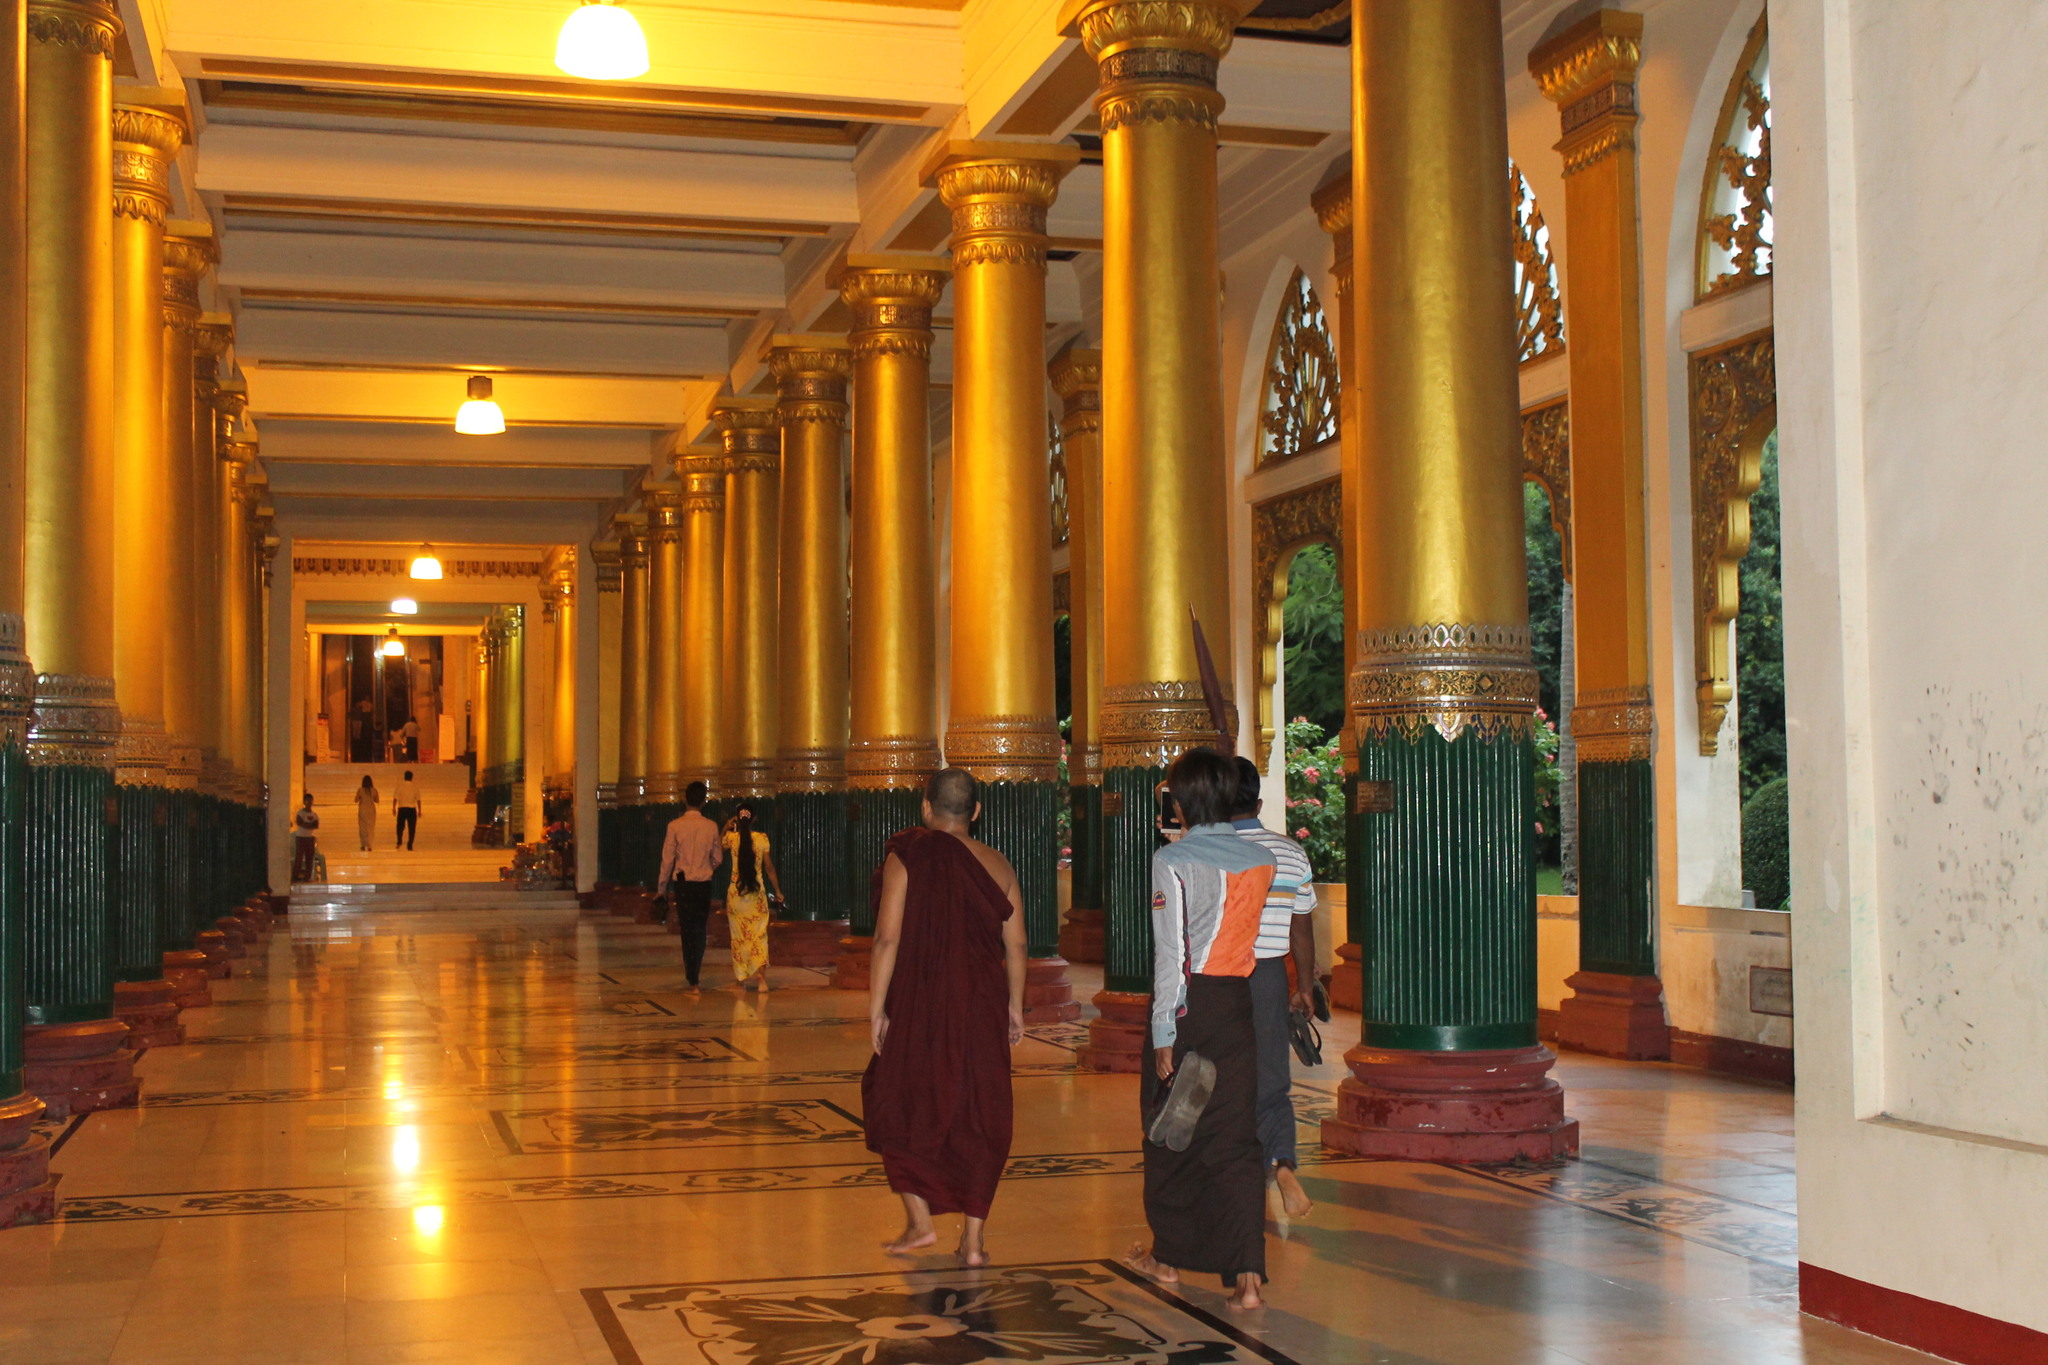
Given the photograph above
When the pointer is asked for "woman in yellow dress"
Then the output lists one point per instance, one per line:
(746, 900)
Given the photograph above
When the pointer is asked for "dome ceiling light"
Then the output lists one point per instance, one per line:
(394, 648)
(480, 415)
(424, 565)
(602, 41)
(405, 606)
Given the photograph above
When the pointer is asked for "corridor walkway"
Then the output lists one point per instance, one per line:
(505, 1137)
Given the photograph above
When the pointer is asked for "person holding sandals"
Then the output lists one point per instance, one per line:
(1205, 1180)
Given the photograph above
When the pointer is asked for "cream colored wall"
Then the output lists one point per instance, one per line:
(1912, 315)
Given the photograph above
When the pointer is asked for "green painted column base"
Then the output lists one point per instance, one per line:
(1082, 935)
(1021, 820)
(874, 816)
(810, 854)
(138, 878)
(70, 912)
(1130, 834)
(14, 783)
(1616, 1005)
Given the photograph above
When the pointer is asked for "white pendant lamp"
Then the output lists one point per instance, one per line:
(480, 415)
(405, 606)
(602, 41)
(424, 565)
(394, 648)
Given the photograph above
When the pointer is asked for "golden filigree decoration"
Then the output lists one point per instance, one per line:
(1614, 725)
(1056, 477)
(810, 770)
(1450, 677)
(1185, 24)
(1299, 409)
(885, 761)
(142, 753)
(1601, 50)
(1282, 527)
(1735, 209)
(17, 681)
(74, 721)
(1005, 748)
(1149, 724)
(1539, 316)
(999, 251)
(913, 292)
(867, 345)
(1306, 23)
(1116, 111)
(1025, 183)
(1734, 411)
(1062, 593)
(1547, 460)
(398, 568)
(88, 25)
(159, 130)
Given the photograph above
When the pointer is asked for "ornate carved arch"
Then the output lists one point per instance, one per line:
(1735, 204)
(1298, 405)
(1282, 526)
(1539, 315)
(1734, 410)
(1547, 460)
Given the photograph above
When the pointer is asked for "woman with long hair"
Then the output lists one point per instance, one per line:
(366, 812)
(746, 900)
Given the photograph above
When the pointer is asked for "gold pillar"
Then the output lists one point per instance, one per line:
(227, 551)
(634, 682)
(753, 458)
(511, 707)
(1076, 376)
(560, 596)
(701, 507)
(810, 374)
(210, 342)
(263, 546)
(669, 711)
(893, 686)
(145, 140)
(188, 252)
(479, 711)
(240, 493)
(67, 417)
(14, 302)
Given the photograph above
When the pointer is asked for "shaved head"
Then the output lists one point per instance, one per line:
(952, 792)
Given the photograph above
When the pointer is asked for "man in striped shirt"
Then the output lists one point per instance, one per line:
(1285, 928)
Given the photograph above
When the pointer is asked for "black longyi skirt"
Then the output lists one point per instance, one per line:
(1207, 1205)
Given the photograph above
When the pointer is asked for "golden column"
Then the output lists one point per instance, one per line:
(810, 760)
(702, 508)
(1165, 488)
(633, 663)
(1001, 725)
(1617, 1006)
(479, 716)
(239, 497)
(1076, 376)
(210, 343)
(559, 595)
(753, 458)
(68, 575)
(188, 252)
(218, 567)
(1443, 689)
(668, 709)
(893, 739)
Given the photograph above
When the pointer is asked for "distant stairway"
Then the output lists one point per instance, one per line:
(440, 854)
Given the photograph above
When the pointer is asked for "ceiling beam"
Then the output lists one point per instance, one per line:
(330, 336)
(413, 396)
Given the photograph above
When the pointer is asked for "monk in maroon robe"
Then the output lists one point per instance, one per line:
(946, 1006)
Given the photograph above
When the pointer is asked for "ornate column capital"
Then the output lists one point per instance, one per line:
(88, 25)
(1589, 72)
(702, 471)
(751, 428)
(1332, 204)
(146, 137)
(1157, 58)
(189, 252)
(810, 377)
(891, 298)
(608, 560)
(664, 515)
(1076, 377)
(999, 193)
(632, 533)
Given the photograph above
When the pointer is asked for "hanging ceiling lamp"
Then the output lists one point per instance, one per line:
(602, 41)
(394, 648)
(480, 416)
(424, 565)
(405, 606)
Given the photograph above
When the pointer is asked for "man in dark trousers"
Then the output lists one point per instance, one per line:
(690, 854)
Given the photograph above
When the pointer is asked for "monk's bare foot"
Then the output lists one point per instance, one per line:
(973, 1257)
(1245, 1297)
(1293, 1198)
(1150, 1266)
(912, 1239)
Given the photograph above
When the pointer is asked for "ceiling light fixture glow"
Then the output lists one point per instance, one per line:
(394, 648)
(424, 565)
(480, 416)
(602, 41)
(405, 606)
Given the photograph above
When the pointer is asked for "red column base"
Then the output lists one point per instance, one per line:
(1048, 995)
(1081, 937)
(150, 1010)
(1347, 978)
(1116, 1036)
(78, 1068)
(1479, 1107)
(186, 971)
(236, 934)
(810, 943)
(850, 968)
(27, 1194)
(214, 944)
(1610, 1015)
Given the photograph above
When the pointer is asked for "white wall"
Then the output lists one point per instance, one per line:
(1912, 319)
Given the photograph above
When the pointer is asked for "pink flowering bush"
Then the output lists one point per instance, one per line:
(1315, 796)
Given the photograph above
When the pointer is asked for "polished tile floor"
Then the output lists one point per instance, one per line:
(504, 1136)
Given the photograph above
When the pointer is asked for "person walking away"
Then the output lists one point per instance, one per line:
(412, 739)
(746, 899)
(1286, 929)
(945, 1006)
(406, 803)
(1207, 1204)
(690, 854)
(366, 812)
(305, 829)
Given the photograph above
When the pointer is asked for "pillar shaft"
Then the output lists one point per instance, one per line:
(561, 767)
(633, 662)
(810, 374)
(237, 561)
(222, 559)
(701, 506)
(1163, 474)
(893, 742)
(1077, 378)
(210, 342)
(753, 450)
(668, 705)
(1589, 72)
(188, 251)
(1443, 690)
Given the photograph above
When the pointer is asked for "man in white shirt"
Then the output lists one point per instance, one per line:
(1286, 928)
(406, 801)
(690, 854)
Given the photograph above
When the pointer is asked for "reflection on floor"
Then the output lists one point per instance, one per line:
(507, 1137)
